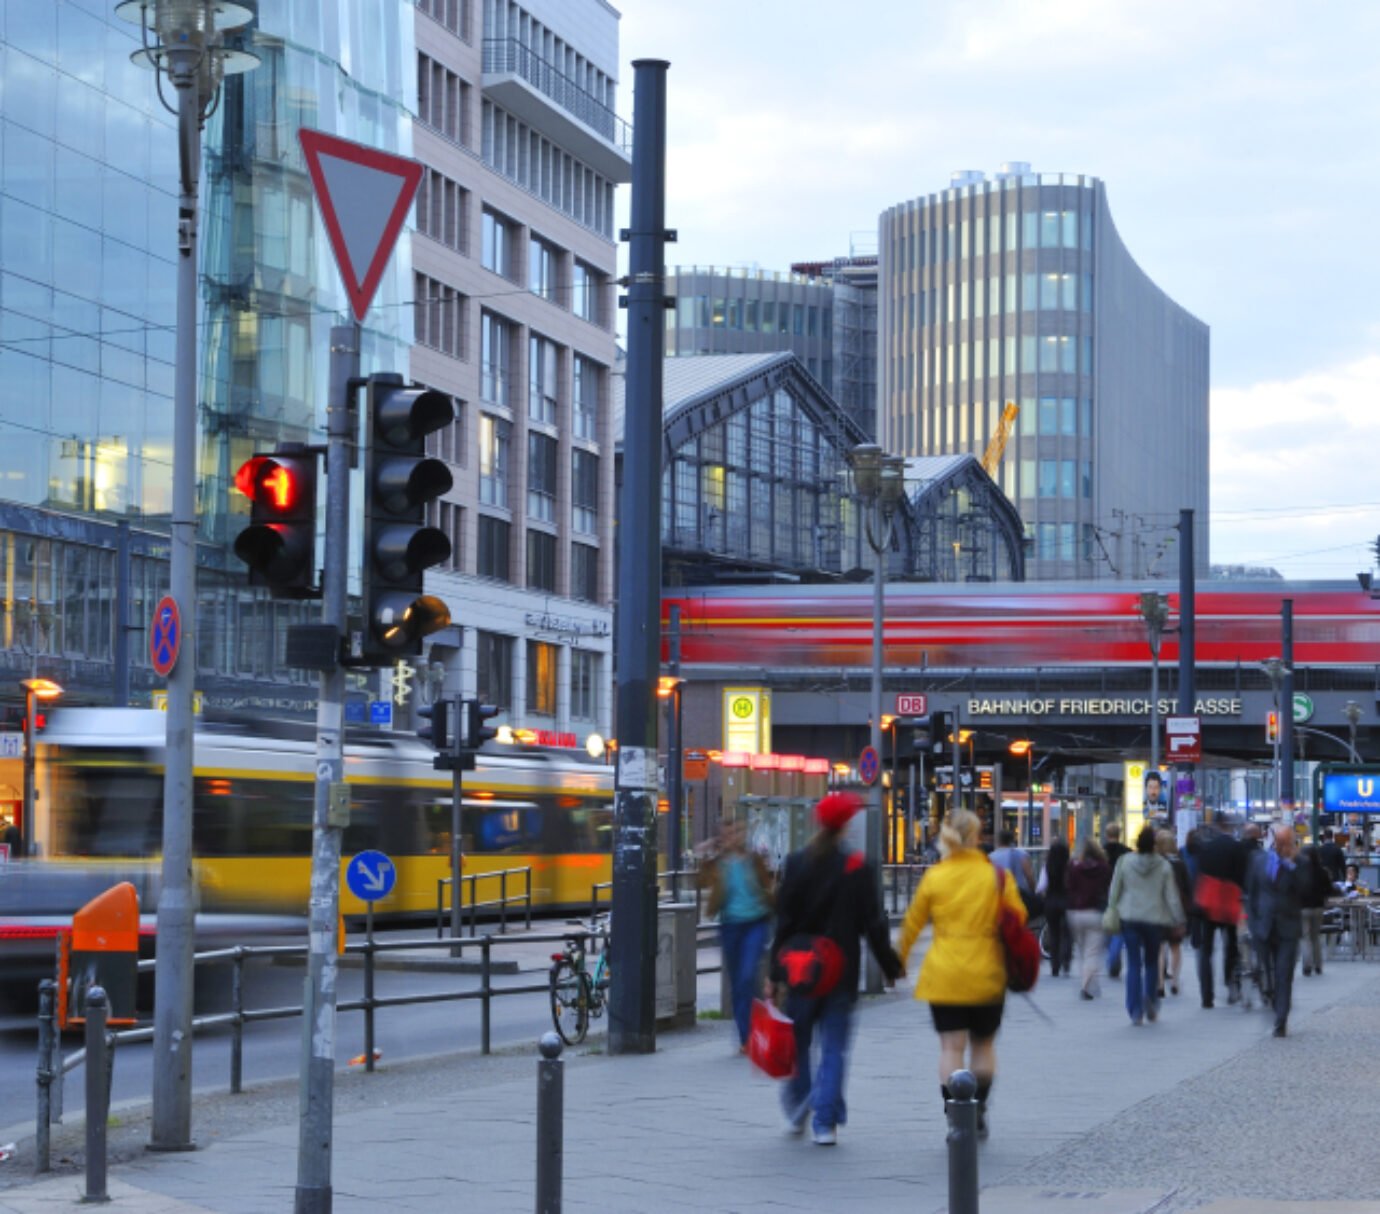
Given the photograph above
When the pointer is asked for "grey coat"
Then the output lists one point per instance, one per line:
(1144, 891)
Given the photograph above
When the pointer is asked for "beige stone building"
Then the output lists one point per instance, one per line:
(514, 259)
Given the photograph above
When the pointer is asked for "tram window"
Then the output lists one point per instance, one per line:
(107, 807)
(588, 828)
(393, 819)
(243, 816)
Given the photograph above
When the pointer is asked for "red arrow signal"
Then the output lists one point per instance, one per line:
(364, 196)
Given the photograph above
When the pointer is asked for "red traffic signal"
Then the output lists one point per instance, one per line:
(279, 545)
(1272, 727)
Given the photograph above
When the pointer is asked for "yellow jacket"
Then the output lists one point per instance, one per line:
(965, 963)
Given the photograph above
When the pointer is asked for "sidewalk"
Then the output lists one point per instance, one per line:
(1203, 1111)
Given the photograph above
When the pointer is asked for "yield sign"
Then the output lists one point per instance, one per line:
(364, 195)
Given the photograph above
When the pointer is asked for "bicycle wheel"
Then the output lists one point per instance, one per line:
(569, 1002)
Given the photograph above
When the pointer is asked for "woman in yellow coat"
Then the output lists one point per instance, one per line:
(963, 978)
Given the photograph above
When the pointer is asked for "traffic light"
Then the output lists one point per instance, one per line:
(476, 731)
(1272, 727)
(398, 545)
(436, 732)
(941, 726)
(279, 545)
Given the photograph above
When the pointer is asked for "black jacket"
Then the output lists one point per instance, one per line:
(831, 891)
(1272, 907)
(1221, 856)
(1333, 860)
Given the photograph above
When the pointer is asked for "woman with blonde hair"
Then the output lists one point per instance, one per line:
(963, 978)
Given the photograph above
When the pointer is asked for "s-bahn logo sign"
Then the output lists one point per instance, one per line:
(1094, 706)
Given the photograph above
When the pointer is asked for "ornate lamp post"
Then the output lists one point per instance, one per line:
(184, 42)
(1154, 610)
(1352, 711)
(1024, 746)
(878, 482)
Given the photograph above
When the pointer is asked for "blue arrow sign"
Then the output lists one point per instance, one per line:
(371, 876)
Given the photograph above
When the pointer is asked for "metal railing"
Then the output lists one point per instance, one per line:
(899, 882)
(510, 55)
(502, 901)
(687, 878)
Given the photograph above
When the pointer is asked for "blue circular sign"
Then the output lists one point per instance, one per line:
(869, 765)
(371, 875)
(165, 636)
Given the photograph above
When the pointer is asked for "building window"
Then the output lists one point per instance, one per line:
(587, 295)
(584, 491)
(541, 561)
(448, 443)
(584, 572)
(541, 476)
(541, 678)
(439, 316)
(541, 380)
(496, 244)
(449, 518)
(1049, 478)
(541, 269)
(493, 549)
(586, 400)
(493, 656)
(453, 14)
(584, 685)
(442, 210)
(443, 100)
(495, 437)
(495, 354)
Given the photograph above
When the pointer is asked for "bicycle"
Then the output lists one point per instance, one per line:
(579, 993)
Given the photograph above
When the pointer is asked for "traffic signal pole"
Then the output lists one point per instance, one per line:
(632, 941)
(331, 807)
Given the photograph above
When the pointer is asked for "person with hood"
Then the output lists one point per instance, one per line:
(1143, 904)
(963, 978)
(826, 903)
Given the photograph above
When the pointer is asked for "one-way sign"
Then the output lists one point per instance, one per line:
(371, 876)
(1183, 739)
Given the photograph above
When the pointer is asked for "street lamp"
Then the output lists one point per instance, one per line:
(668, 688)
(1352, 711)
(1154, 610)
(879, 482)
(184, 41)
(1275, 669)
(1024, 746)
(36, 690)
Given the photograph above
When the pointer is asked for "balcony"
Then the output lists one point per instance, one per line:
(536, 91)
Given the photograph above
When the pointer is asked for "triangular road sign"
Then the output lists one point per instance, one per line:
(364, 195)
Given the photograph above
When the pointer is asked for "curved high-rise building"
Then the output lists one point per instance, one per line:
(1019, 289)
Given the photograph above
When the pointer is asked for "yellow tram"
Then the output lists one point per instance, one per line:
(100, 777)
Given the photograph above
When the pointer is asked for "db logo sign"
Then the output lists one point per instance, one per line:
(912, 705)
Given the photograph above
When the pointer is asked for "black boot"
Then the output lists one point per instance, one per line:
(984, 1089)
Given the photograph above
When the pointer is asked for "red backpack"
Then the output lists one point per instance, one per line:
(1019, 943)
(813, 965)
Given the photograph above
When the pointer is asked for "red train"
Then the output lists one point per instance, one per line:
(1018, 625)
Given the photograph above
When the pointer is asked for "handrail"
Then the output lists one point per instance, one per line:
(502, 901)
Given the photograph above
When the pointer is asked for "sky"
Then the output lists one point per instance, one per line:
(1239, 141)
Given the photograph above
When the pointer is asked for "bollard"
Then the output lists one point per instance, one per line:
(47, 1034)
(550, 1124)
(237, 1025)
(486, 994)
(962, 1111)
(97, 1095)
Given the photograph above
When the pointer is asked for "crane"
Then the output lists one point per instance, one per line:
(991, 459)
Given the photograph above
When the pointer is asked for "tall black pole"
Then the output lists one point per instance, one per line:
(119, 696)
(1187, 616)
(632, 944)
(1286, 712)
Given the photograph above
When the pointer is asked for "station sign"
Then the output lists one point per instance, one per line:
(912, 704)
(747, 719)
(1351, 792)
(1183, 739)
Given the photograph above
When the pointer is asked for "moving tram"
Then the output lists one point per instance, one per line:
(99, 774)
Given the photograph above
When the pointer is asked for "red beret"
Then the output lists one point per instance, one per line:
(835, 808)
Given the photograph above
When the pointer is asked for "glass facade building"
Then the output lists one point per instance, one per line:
(1019, 289)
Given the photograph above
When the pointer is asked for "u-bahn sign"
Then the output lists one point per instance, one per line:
(1352, 790)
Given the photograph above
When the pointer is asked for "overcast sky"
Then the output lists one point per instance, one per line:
(1239, 141)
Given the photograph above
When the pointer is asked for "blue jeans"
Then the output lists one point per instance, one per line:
(742, 948)
(834, 1016)
(1114, 943)
(1142, 964)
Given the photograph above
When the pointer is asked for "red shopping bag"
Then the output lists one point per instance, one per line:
(771, 1041)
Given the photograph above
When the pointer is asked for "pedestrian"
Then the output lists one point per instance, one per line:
(740, 894)
(1221, 863)
(1315, 890)
(1016, 861)
(1333, 857)
(1053, 887)
(11, 835)
(1274, 886)
(1089, 878)
(963, 977)
(826, 903)
(1171, 953)
(1115, 849)
(1143, 904)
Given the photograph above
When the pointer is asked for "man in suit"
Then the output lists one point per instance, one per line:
(1274, 913)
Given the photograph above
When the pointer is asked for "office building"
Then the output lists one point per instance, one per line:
(1019, 289)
